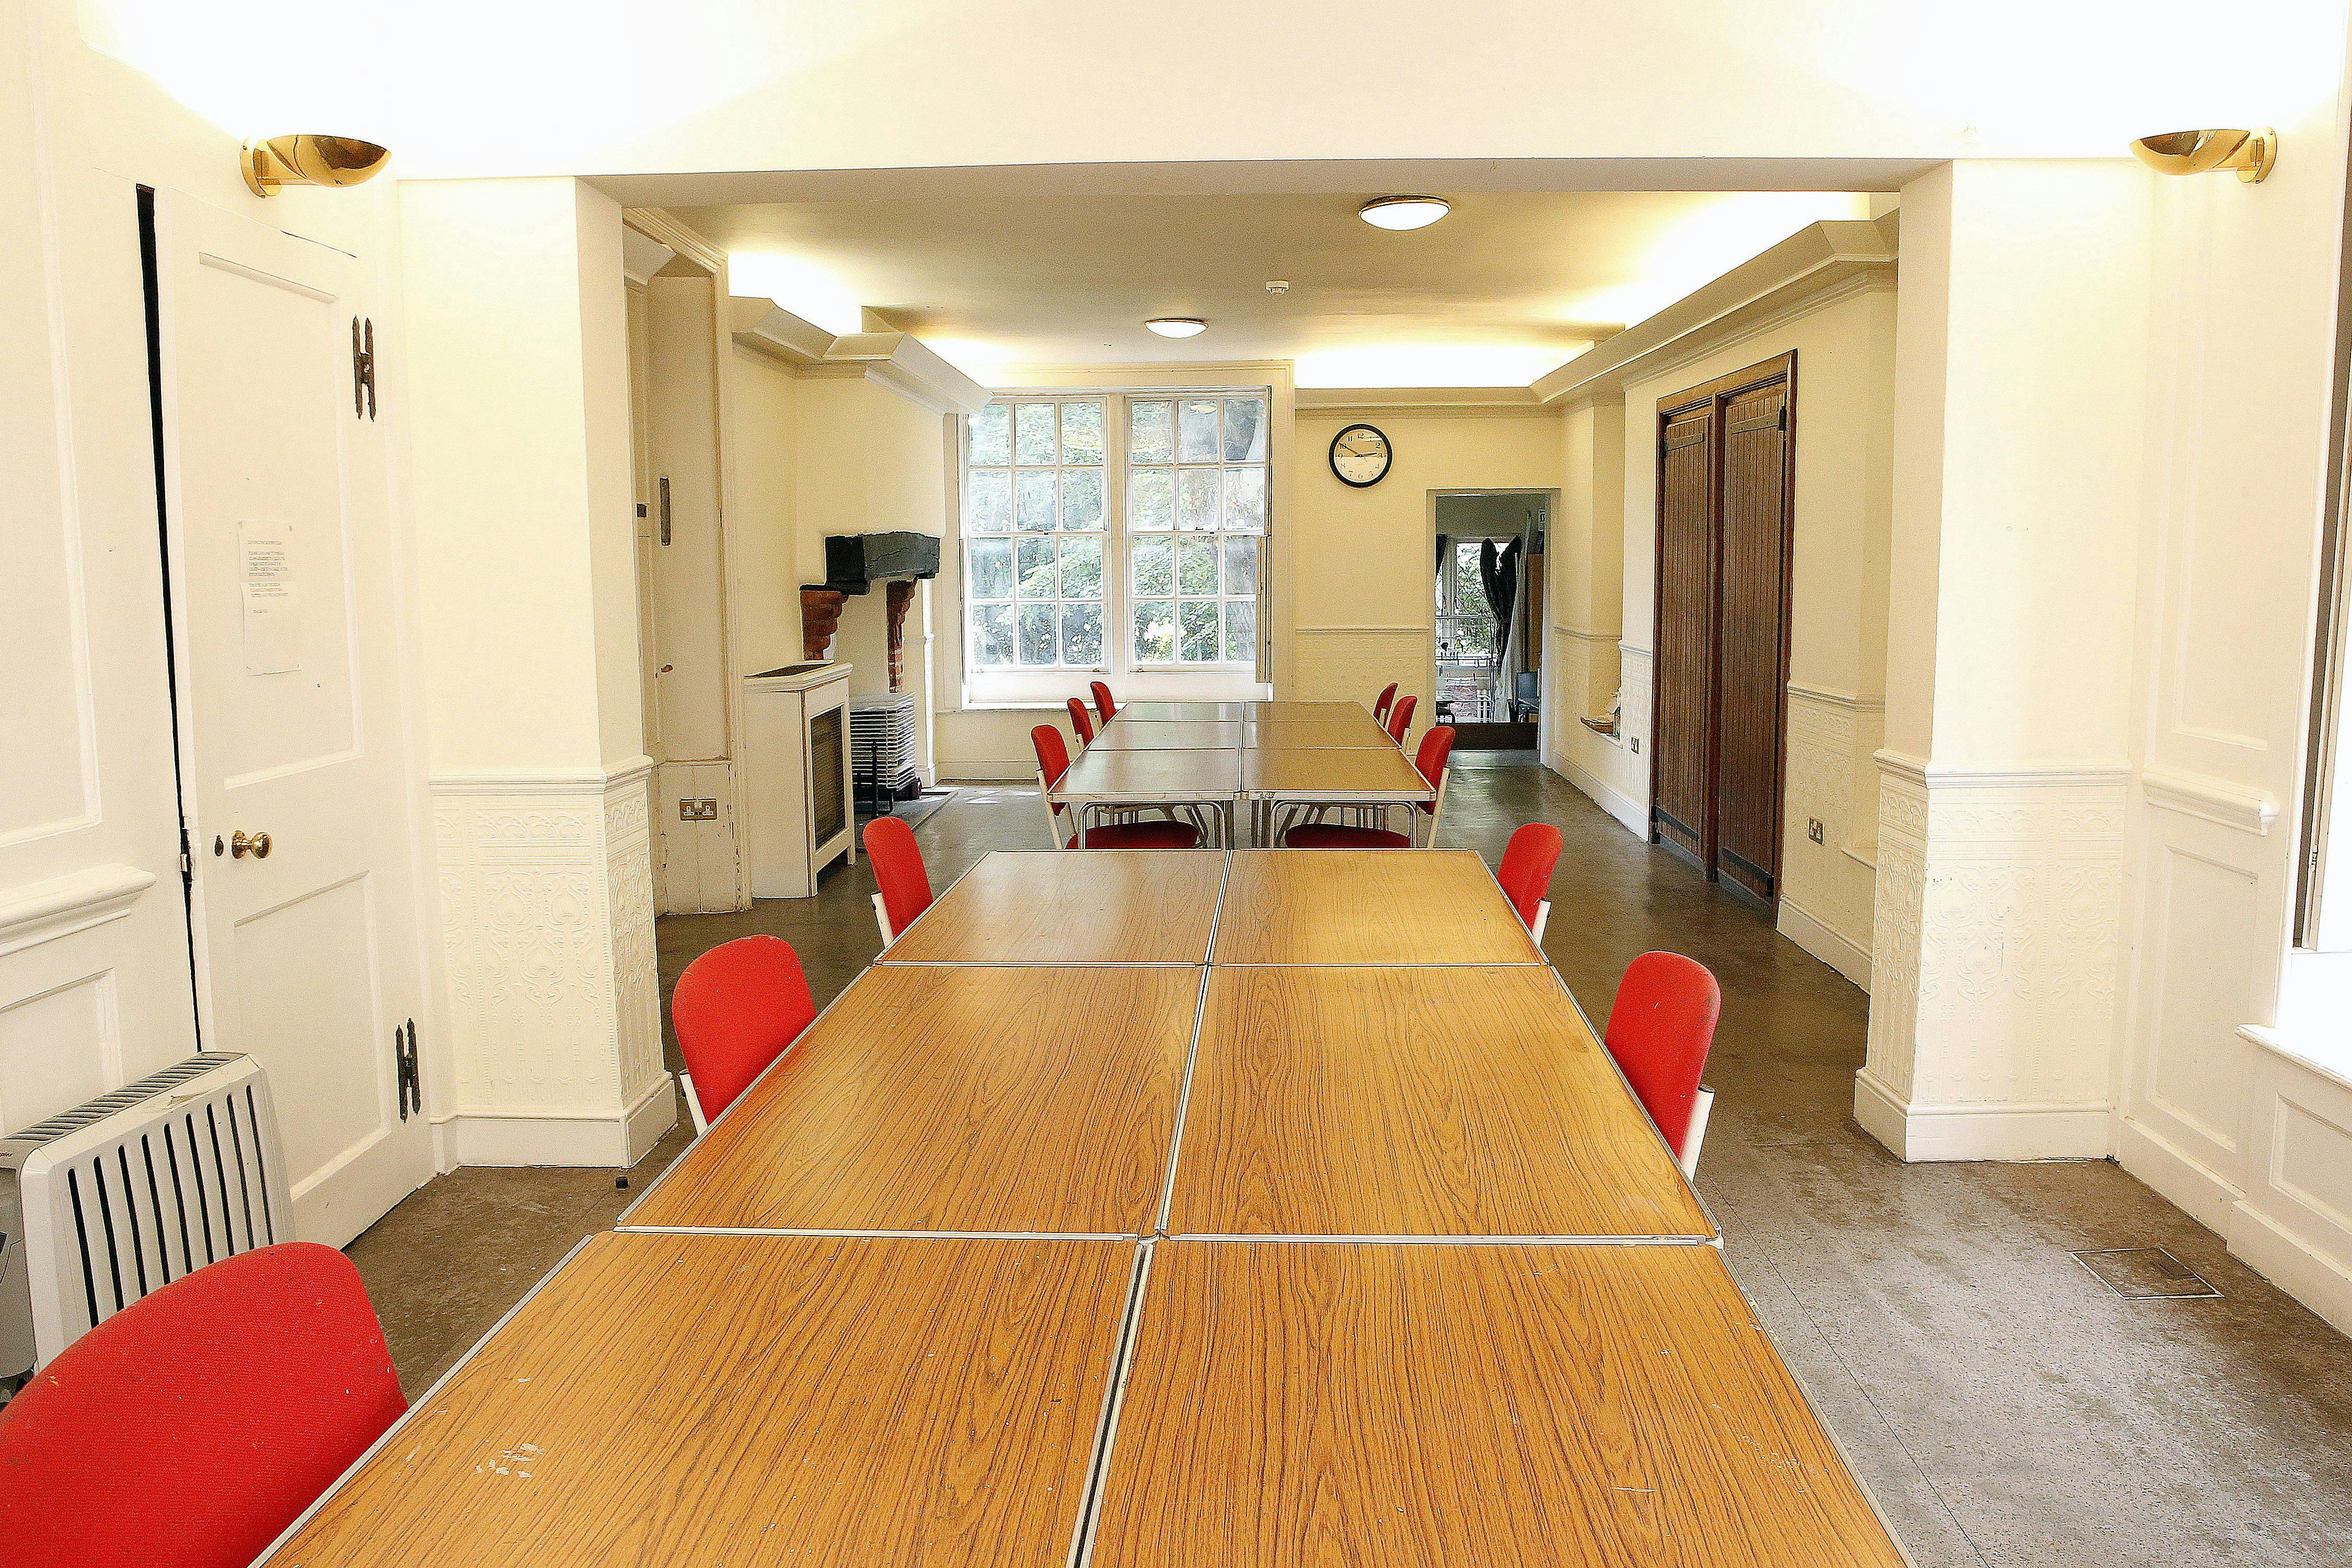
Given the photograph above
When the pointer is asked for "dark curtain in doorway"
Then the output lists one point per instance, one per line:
(1499, 574)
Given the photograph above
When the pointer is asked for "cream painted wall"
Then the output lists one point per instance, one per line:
(762, 529)
(1583, 669)
(1838, 587)
(1364, 582)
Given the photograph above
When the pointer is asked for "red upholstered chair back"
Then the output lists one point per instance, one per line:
(1082, 723)
(1526, 868)
(1380, 707)
(1400, 718)
(1436, 746)
(1053, 754)
(192, 1426)
(1103, 704)
(736, 1008)
(1659, 1030)
(898, 871)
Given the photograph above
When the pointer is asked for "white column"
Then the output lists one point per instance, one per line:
(517, 410)
(2021, 349)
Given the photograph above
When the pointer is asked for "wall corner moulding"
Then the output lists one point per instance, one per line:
(36, 912)
(2210, 799)
(898, 361)
(1816, 266)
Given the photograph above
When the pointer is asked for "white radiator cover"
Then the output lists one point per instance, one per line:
(128, 1191)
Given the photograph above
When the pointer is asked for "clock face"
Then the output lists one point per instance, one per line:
(1361, 455)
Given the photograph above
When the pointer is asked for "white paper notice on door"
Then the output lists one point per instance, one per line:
(273, 609)
(273, 629)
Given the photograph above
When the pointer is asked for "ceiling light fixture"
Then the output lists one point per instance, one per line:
(1404, 212)
(2249, 153)
(1178, 326)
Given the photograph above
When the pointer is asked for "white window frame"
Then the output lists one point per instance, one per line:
(1049, 687)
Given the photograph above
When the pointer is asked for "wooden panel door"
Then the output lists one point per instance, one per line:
(1682, 784)
(1752, 637)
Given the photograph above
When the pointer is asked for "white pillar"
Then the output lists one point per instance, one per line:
(2020, 348)
(517, 410)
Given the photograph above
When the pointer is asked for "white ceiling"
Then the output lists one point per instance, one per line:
(1508, 285)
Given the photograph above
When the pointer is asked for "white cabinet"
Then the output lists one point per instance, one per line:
(796, 807)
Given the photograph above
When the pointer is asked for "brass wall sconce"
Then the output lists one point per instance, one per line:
(310, 160)
(2250, 153)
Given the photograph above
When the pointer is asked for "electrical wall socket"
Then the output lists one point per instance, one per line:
(1813, 828)
(705, 810)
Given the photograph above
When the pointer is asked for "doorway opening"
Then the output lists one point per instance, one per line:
(1488, 596)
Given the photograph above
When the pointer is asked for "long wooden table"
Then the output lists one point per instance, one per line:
(1047, 906)
(1234, 757)
(1267, 1260)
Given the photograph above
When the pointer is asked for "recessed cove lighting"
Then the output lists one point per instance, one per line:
(1178, 326)
(1404, 212)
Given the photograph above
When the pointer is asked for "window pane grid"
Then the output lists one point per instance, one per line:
(1035, 534)
(1080, 510)
(1196, 510)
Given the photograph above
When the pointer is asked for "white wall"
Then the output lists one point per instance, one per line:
(2000, 853)
(95, 988)
(2252, 1132)
(757, 84)
(518, 374)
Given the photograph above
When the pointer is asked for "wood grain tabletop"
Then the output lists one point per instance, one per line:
(756, 1401)
(1169, 735)
(1367, 906)
(1404, 1102)
(1024, 1099)
(1307, 1404)
(1051, 905)
(1356, 772)
(1100, 773)
(1164, 710)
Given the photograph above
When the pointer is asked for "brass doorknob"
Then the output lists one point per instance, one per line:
(242, 844)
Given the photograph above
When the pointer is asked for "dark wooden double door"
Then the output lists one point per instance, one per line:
(1718, 737)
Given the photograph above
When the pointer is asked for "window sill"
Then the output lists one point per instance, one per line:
(2315, 998)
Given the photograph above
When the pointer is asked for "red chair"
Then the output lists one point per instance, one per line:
(1380, 707)
(902, 888)
(1082, 723)
(1437, 747)
(189, 1429)
(1526, 873)
(1400, 718)
(1103, 704)
(1052, 762)
(1659, 1031)
(736, 1008)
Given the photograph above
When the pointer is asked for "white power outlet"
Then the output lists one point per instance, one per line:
(704, 810)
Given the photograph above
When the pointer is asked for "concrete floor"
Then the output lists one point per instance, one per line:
(2004, 1406)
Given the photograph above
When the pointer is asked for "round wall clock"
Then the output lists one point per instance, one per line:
(1360, 455)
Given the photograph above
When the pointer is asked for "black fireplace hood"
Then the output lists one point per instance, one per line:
(853, 563)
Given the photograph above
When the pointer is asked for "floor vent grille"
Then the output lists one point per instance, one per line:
(2138, 1273)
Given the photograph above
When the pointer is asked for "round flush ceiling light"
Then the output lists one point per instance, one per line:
(1178, 326)
(1404, 212)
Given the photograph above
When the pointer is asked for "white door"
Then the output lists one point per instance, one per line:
(290, 700)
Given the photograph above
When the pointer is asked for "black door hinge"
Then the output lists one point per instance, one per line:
(362, 368)
(408, 1084)
(1784, 417)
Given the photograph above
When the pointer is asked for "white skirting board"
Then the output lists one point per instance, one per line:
(1833, 948)
(503, 1138)
(1939, 1132)
(1618, 804)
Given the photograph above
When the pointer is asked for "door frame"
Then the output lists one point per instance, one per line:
(1716, 395)
(1539, 663)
